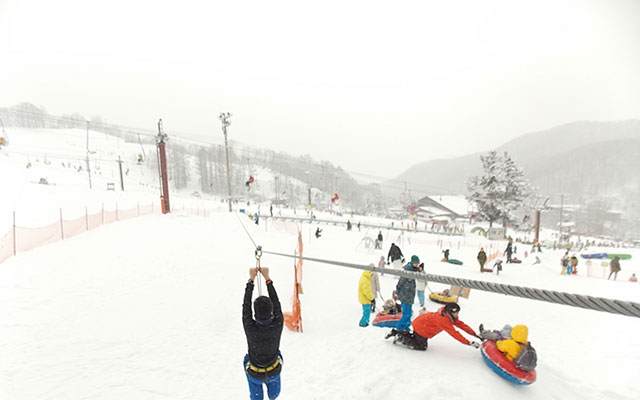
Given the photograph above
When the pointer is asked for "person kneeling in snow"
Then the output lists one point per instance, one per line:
(427, 325)
(263, 361)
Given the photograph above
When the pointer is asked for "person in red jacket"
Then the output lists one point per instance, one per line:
(428, 325)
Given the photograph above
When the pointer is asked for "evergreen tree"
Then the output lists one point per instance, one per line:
(501, 190)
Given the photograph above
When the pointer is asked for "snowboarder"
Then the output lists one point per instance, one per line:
(365, 296)
(263, 361)
(427, 325)
(395, 256)
(406, 289)
(318, 232)
(482, 259)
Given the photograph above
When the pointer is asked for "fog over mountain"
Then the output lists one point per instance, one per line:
(577, 158)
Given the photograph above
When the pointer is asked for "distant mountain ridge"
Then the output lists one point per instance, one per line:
(573, 157)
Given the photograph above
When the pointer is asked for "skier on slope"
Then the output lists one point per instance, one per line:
(429, 324)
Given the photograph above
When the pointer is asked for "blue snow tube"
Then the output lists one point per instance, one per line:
(503, 367)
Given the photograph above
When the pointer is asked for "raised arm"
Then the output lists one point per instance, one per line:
(247, 314)
(277, 308)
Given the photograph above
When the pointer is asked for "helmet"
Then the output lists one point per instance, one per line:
(451, 308)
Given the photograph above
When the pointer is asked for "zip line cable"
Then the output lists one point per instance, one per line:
(613, 306)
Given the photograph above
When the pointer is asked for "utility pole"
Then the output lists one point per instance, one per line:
(224, 117)
(88, 165)
(162, 160)
(121, 179)
(561, 222)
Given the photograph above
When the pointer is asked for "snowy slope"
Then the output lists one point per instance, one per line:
(150, 308)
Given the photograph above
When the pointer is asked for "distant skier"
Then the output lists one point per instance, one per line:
(263, 361)
(318, 232)
(348, 224)
(446, 255)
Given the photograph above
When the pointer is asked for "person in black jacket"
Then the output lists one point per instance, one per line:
(263, 362)
(395, 256)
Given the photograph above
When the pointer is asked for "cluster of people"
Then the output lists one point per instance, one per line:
(569, 264)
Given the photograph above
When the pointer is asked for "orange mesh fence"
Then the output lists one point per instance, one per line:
(94, 220)
(73, 227)
(6, 246)
(29, 238)
(109, 217)
(293, 319)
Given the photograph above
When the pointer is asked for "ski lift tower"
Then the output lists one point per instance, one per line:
(162, 166)
(224, 117)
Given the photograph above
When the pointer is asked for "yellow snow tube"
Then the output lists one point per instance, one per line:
(439, 298)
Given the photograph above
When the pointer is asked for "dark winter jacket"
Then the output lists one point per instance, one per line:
(406, 288)
(482, 257)
(394, 253)
(509, 249)
(430, 324)
(380, 237)
(263, 337)
(615, 264)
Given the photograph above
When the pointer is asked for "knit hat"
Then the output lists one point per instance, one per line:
(263, 307)
(415, 259)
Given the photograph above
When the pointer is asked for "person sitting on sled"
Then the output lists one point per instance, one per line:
(502, 334)
(512, 347)
(427, 325)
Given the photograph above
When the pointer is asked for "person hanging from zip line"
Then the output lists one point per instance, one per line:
(263, 361)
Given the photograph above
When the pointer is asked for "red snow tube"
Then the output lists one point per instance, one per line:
(386, 320)
(503, 367)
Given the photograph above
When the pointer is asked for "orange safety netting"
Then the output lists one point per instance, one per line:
(6, 246)
(20, 239)
(293, 319)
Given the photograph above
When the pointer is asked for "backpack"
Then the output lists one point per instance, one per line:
(527, 359)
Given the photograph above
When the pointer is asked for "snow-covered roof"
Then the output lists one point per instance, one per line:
(456, 203)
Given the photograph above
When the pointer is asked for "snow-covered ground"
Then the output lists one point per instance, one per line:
(150, 308)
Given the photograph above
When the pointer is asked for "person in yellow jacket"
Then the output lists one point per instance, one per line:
(365, 296)
(512, 347)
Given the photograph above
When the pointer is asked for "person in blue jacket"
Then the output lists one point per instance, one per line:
(406, 289)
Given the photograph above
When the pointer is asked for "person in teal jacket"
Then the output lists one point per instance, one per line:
(406, 289)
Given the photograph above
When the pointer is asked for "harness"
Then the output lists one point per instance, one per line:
(263, 370)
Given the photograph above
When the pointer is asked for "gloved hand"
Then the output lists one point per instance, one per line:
(475, 345)
(373, 305)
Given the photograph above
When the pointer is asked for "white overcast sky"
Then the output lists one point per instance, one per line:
(373, 86)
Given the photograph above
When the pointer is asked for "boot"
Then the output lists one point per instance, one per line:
(392, 332)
